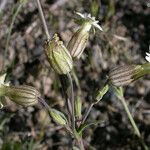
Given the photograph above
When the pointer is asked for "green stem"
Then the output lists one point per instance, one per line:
(72, 101)
(136, 130)
(43, 19)
(11, 26)
(87, 113)
(80, 143)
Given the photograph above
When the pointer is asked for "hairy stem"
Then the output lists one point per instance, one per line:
(43, 19)
(88, 111)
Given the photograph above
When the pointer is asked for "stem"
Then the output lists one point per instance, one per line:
(87, 113)
(89, 110)
(41, 100)
(62, 79)
(43, 19)
(102, 93)
(76, 80)
(72, 101)
(80, 143)
(11, 26)
(136, 130)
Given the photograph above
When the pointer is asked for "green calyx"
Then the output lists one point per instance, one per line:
(58, 116)
(2, 90)
(101, 93)
(58, 56)
(141, 70)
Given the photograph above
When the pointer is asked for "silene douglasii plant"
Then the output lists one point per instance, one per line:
(61, 58)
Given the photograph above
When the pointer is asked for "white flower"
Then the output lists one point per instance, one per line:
(147, 57)
(2, 80)
(88, 18)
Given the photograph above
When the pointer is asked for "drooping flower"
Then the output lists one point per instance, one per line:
(147, 57)
(79, 39)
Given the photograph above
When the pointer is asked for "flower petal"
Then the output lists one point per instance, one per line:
(97, 26)
(147, 57)
(2, 78)
(81, 15)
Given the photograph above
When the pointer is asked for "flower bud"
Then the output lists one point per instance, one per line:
(124, 75)
(79, 39)
(78, 105)
(22, 95)
(58, 116)
(58, 56)
(101, 93)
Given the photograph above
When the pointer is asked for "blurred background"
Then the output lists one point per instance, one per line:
(125, 39)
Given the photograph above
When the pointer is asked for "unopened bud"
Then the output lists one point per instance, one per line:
(78, 105)
(124, 75)
(79, 39)
(101, 93)
(58, 56)
(58, 116)
(22, 95)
